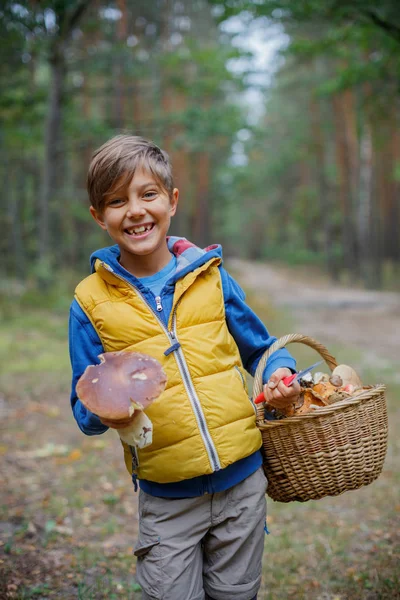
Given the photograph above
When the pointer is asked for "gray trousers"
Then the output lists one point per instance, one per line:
(210, 545)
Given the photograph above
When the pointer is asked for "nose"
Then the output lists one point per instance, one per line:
(136, 207)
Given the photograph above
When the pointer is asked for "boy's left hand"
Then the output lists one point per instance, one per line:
(121, 424)
(277, 394)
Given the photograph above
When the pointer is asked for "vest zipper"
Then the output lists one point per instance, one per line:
(185, 373)
(158, 303)
(191, 392)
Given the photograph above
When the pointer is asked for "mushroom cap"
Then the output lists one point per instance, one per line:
(348, 375)
(122, 383)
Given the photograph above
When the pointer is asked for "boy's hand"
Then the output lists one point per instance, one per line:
(277, 394)
(120, 424)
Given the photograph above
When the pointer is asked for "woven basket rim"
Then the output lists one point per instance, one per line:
(323, 411)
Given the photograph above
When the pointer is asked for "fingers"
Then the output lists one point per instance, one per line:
(281, 396)
(296, 388)
(277, 376)
(277, 390)
(116, 424)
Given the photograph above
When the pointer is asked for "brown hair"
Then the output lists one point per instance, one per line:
(114, 164)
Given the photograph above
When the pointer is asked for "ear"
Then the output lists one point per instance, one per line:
(98, 217)
(174, 201)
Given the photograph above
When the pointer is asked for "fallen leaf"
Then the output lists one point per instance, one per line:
(74, 455)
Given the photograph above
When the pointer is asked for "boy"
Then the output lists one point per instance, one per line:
(202, 486)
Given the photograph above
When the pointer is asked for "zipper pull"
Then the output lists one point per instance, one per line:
(175, 344)
(158, 303)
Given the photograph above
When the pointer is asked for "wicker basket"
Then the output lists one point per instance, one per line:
(328, 451)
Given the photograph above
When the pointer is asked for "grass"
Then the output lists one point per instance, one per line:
(68, 516)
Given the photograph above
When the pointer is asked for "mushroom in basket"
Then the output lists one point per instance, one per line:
(318, 391)
(122, 386)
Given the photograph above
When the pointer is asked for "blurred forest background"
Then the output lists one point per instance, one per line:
(298, 160)
(282, 121)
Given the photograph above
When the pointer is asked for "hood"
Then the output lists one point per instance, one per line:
(188, 256)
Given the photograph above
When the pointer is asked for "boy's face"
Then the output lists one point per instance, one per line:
(137, 218)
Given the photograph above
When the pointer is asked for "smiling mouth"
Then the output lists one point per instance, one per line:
(139, 230)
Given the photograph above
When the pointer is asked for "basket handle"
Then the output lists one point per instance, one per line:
(281, 343)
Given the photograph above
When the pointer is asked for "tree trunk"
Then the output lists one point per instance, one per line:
(395, 220)
(52, 174)
(393, 217)
(53, 163)
(372, 196)
(364, 213)
(118, 68)
(323, 188)
(201, 216)
(345, 186)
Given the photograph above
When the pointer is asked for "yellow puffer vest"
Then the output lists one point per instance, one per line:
(204, 420)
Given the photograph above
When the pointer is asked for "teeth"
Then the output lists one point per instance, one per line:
(138, 230)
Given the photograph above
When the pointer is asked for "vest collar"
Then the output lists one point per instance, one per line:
(185, 281)
(190, 260)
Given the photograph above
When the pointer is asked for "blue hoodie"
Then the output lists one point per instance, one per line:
(249, 333)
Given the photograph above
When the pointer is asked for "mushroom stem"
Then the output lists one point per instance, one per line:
(139, 433)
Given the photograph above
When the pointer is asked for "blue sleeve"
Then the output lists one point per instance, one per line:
(249, 333)
(84, 348)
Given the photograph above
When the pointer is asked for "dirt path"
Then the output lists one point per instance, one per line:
(366, 320)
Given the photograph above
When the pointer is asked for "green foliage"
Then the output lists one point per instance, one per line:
(103, 71)
(339, 76)
(368, 13)
(163, 73)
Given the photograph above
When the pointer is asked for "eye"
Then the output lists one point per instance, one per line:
(115, 202)
(150, 195)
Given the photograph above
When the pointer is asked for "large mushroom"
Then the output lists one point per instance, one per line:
(123, 385)
(348, 376)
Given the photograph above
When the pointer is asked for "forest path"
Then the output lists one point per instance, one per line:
(365, 320)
